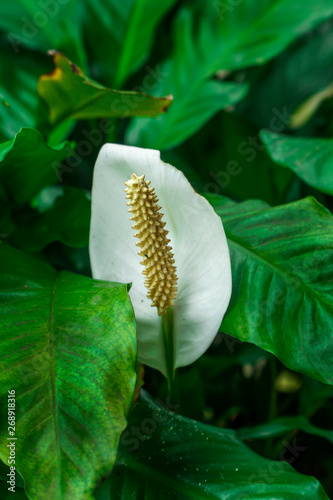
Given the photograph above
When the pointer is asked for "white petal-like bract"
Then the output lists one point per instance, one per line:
(197, 239)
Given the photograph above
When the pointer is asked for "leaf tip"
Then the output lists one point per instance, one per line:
(168, 101)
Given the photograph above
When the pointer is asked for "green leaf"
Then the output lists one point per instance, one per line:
(214, 464)
(216, 38)
(20, 108)
(40, 25)
(184, 119)
(68, 349)
(282, 262)
(127, 29)
(281, 426)
(311, 159)
(197, 97)
(27, 164)
(257, 31)
(66, 221)
(69, 93)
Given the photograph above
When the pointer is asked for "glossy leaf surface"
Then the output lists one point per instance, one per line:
(166, 456)
(68, 349)
(69, 93)
(214, 38)
(282, 263)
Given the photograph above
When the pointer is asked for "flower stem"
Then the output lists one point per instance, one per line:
(169, 350)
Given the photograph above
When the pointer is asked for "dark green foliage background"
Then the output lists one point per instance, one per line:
(241, 73)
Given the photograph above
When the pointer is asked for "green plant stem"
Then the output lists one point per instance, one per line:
(169, 349)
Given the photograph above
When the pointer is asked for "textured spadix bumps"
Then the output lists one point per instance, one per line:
(197, 240)
(157, 256)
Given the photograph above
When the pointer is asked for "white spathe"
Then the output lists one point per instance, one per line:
(198, 241)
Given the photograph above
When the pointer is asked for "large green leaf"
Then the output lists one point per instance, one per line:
(67, 221)
(197, 97)
(282, 263)
(39, 25)
(68, 349)
(27, 164)
(127, 29)
(213, 36)
(69, 93)
(311, 159)
(166, 456)
(254, 32)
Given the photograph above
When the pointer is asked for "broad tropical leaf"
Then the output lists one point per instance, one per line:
(69, 93)
(166, 456)
(197, 96)
(255, 32)
(282, 264)
(214, 37)
(68, 350)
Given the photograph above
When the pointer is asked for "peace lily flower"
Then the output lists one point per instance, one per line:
(178, 263)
